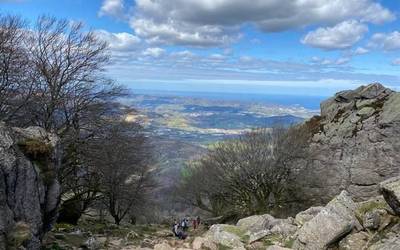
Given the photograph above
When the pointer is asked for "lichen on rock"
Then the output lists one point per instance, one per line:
(29, 195)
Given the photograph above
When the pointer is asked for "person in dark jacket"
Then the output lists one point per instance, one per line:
(177, 231)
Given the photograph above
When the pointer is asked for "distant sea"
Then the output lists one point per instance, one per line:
(308, 102)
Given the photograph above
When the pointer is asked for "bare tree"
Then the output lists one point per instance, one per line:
(72, 98)
(51, 75)
(122, 158)
(244, 176)
(15, 69)
(68, 64)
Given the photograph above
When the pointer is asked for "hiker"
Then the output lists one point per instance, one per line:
(194, 223)
(185, 224)
(198, 221)
(176, 229)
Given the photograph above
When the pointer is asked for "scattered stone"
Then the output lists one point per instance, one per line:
(227, 235)
(163, 246)
(354, 241)
(387, 244)
(257, 223)
(276, 247)
(390, 190)
(307, 215)
(92, 243)
(333, 222)
(372, 220)
(284, 228)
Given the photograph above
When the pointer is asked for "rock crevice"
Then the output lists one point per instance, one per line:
(29, 189)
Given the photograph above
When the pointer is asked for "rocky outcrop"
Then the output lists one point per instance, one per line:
(331, 223)
(356, 145)
(342, 224)
(29, 190)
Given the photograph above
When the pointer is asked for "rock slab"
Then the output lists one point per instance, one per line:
(333, 222)
(29, 189)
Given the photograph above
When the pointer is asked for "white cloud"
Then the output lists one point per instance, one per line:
(119, 41)
(330, 62)
(360, 51)
(341, 36)
(154, 52)
(183, 34)
(217, 57)
(386, 41)
(217, 22)
(114, 8)
(183, 53)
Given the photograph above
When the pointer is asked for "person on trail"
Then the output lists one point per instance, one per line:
(194, 223)
(185, 224)
(198, 221)
(176, 229)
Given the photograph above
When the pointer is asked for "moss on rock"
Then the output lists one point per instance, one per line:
(19, 235)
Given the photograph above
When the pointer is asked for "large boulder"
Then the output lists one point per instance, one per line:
(393, 243)
(355, 147)
(257, 223)
(202, 243)
(333, 222)
(390, 190)
(354, 241)
(227, 235)
(29, 190)
(307, 215)
(259, 226)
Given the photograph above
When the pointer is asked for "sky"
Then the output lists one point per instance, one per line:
(295, 47)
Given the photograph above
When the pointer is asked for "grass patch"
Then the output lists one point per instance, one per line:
(369, 206)
(35, 148)
(39, 153)
(64, 227)
(289, 242)
(223, 247)
(237, 231)
(271, 240)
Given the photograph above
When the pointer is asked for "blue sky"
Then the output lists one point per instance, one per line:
(307, 47)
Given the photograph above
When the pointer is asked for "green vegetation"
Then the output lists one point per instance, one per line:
(18, 235)
(237, 231)
(39, 152)
(228, 182)
(35, 148)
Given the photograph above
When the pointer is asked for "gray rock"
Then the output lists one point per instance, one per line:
(372, 219)
(356, 148)
(227, 235)
(307, 215)
(163, 246)
(276, 247)
(259, 226)
(257, 223)
(203, 243)
(354, 241)
(390, 113)
(333, 222)
(29, 190)
(284, 228)
(392, 243)
(390, 190)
